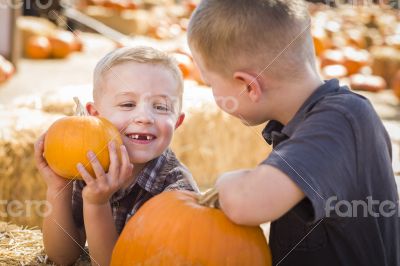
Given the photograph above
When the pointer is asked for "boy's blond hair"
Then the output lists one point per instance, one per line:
(141, 55)
(263, 35)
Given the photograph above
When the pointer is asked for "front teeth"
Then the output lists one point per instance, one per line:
(136, 136)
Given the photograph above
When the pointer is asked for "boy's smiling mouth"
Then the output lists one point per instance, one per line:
(141, 138)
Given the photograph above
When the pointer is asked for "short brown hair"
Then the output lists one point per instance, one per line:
(138, 54)
(231, 34)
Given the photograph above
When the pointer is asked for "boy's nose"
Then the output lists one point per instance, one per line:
(144, 117)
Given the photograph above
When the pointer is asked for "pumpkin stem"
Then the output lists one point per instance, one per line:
(209, 198)
(80, 110)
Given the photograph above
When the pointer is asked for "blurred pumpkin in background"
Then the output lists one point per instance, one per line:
(38, 47)
(370, 83)
(396, 84)
(62, 43)
(320, 39)
(355, 59)
(7, 69)
(185, 64)
(332, 57)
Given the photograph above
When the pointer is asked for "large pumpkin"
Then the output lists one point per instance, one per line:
(174, 228)
(69, 139)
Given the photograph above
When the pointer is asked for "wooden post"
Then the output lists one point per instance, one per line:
(9, 45)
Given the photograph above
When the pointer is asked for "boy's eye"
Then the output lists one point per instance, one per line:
(161, 107)
(127, 105)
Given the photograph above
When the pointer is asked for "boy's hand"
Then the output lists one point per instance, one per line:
(99, 190)
(55, 183)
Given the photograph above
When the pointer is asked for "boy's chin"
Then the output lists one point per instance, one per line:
(251, 123)
(138, 159)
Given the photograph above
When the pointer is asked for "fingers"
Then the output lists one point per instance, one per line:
(97, 167)
(126, 167)
(89, 180)
(119, 172)
(39, 149)
(114, 169)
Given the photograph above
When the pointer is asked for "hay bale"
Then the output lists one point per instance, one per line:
(20, 246)
(24, 246)
(22, 189)
(58, 102)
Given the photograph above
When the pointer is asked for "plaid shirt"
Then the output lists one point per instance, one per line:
(160, 174)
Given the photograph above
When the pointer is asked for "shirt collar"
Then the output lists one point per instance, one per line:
(273, 127)
(147, 178)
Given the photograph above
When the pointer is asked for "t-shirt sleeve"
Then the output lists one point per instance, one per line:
(77, 203)
(320, 157)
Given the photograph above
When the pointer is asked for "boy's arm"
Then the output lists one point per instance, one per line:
(100, 229)
(101, 232)
(63, 241)
(252, 197)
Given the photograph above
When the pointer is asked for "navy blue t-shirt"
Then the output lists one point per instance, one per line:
(338, 152)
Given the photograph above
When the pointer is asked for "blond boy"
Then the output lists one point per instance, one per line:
(140, 91)
(331, 151)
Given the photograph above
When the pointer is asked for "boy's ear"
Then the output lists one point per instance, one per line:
(180, 120)
(251, 85)
(91, 109)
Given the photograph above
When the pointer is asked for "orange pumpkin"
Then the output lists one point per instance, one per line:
(38, 47)
(320, 39)
(367, 83)
(6, 69)
(62, 43)
(116, 5)
(185, 64)
(190, 5)
(173, 228)
(357, 38)
(69, 139)
(3, 75)
(332, 57)
(396, 84)
(334, 71)
(355, 59)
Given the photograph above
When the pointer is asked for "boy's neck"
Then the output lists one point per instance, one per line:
(297, 93)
